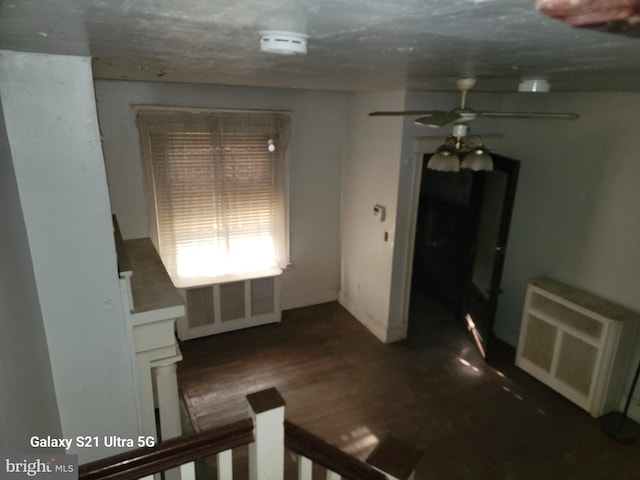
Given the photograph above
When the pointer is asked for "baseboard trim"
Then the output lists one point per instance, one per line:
(315, 298)
(383, 333)
(396, 333)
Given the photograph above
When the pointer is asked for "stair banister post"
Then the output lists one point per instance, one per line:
(168, 396)
(266, 454)
(396, 459)
(169, 404)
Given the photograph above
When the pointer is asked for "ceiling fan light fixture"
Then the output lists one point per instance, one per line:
(534, 85)
(478, 159)
(283, 43)
(445, 159)
(471, 148)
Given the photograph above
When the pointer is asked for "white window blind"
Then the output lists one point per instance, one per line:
(217, 193)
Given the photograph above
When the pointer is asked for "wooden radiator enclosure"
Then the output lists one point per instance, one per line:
(224, 307)
(576, 343)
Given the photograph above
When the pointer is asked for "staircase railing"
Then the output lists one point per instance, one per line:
(267, 433)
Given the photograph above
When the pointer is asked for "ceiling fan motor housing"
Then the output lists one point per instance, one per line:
(459, 129)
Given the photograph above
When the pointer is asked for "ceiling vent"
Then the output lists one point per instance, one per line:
(283, 43)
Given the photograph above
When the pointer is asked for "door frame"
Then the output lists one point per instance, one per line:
(511, 167)
(422, 146)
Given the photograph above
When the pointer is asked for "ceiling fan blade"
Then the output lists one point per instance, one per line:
(439, 119)
(567, 116)
(406, 113)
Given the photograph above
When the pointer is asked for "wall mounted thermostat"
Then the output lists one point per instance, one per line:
(379, 212)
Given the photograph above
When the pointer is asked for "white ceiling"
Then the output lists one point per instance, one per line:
(353, 44)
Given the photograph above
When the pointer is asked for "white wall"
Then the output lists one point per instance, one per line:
(28, 403)
(370, 176)
(62, 186)
(577, 211)
(315, 155)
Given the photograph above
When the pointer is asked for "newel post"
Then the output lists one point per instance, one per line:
(169, 404)
(266, 454)
(395, 458)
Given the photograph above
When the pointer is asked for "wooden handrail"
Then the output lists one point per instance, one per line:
(391, 456)
(172, 453)
(169, 454)
(304, 443)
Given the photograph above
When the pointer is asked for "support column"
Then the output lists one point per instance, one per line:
(266, 454)
(168, 397)
(168, 404)
(52, 139)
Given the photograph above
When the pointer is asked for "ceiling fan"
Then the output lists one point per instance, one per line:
(464, 114)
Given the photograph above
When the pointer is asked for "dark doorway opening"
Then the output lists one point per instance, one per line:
(461, 236)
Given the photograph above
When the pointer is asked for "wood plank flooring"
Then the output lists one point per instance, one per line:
(473, 420)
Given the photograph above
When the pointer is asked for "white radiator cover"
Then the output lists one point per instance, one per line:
(578, 344)
(224, 307)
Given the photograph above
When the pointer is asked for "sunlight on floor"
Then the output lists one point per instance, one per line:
(508, 390)
(470, 367)
(516, 395)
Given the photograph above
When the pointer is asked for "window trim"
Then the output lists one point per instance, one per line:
(151, 196)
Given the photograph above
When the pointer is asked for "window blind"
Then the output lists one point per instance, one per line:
(219, 196)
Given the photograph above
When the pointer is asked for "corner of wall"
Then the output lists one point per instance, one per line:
(29, 406)
(385, 333)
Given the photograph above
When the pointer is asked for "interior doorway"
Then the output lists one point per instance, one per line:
(462, 228)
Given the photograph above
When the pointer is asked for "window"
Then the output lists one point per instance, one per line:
(216, 192)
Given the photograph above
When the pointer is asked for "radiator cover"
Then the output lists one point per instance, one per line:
(224, 307)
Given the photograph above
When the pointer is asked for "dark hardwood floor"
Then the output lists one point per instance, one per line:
(473, 420)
